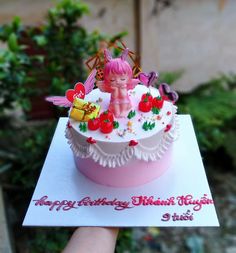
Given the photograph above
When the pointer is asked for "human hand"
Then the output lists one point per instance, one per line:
(92, 240)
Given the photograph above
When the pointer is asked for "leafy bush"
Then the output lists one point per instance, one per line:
(14, 63)
(48, 240)
(23, 150)
(212, 106)
(213, 109)
(47, 59)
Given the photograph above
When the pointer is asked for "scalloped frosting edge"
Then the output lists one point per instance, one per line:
(139, 152)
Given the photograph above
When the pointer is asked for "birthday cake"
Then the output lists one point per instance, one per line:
(121, 133)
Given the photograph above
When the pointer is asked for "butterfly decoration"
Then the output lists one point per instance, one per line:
(79, 91)
(148, 79)
(167, 92)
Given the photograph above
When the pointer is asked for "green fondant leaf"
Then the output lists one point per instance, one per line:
(115, 124)
(83, 127)
(148, 125)
(155, 110)
(131, 114)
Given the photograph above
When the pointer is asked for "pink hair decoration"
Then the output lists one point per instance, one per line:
(118, 79)
(124, 54)
(117, 66)
(107, 55)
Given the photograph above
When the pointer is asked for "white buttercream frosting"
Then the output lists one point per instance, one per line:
(113, 150)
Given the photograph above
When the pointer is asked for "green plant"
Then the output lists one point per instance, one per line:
(212, 107)
(48, 59)
(67, 44)
(49, 240)
(14, 63)
(125, 241)
(22, 152)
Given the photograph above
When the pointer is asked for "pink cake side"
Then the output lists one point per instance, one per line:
(134, 173)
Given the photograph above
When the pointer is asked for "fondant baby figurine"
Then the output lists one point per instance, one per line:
(118, 79)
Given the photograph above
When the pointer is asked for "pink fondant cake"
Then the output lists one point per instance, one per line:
(121, 133)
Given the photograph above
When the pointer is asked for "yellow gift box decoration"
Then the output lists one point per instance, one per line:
(83, 110)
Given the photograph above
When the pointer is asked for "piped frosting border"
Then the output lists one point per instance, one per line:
(140, 151)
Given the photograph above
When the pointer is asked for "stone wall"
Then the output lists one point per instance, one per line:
(196, 36)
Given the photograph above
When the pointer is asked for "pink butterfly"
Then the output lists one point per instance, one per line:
(79, 91)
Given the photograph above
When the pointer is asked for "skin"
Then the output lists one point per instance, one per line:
(119, 86)
(92, 240)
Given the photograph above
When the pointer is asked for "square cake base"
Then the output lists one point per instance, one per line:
(180, 197)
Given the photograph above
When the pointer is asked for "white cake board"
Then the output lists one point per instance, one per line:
(58, 197)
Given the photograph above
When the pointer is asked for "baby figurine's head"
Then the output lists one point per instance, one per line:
(117, 67)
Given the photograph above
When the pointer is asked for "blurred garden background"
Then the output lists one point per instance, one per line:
(43, 47)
